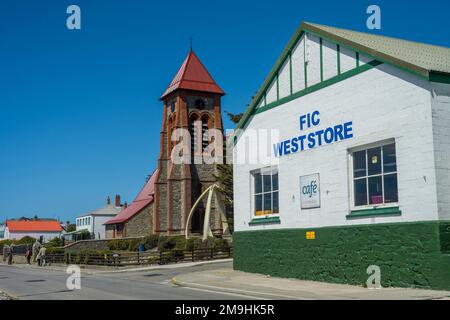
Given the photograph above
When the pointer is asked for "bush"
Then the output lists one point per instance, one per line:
(210, 242)
(170, 243)
(3, 243)
(83, 256)
(25, 240)
(151, 242)
(193, 243)
(83, 235)
(55, 242)
(120, 245)
(54, 250)
(133, 244)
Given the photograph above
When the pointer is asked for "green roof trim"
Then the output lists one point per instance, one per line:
(319, 86)
(439, 77)
(429, 62)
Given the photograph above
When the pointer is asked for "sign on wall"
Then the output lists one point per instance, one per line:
(310, 191)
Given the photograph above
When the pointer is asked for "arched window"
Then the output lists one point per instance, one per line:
(194, 134)
(170, 127)
(205, 127)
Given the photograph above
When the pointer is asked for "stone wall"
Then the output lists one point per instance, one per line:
(109, 231)
(17, 259)
(88, 244)
(408, 254)
(140, 225)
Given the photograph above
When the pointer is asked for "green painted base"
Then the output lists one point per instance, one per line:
(408, 254)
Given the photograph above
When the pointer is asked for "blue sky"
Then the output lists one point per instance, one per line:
(79, 110)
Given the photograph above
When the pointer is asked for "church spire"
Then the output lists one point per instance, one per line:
(193, 75)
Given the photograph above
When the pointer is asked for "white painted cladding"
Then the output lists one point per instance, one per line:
(19, 235)
(306, 54)
(383, 103)
(441, 133)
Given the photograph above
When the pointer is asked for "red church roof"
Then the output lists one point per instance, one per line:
(193, 75)
(143, 199)
(33, 226)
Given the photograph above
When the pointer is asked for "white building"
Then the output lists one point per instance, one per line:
(2, 231)
(94, 221)
(358, 168)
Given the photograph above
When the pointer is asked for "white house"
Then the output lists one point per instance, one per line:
(357, 168)
(2, 231)
(47, 229)
(94, 221)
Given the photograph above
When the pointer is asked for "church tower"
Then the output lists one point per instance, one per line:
(191, 102)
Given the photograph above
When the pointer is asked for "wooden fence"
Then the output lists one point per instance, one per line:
(139, 258)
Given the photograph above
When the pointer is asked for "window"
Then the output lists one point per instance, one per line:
(265, 192)
(375, 176)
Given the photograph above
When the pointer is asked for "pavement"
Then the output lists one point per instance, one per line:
(25, 282)
(261, 286)
(209, 280)
(92, 269)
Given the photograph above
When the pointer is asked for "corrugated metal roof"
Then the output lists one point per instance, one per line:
(424, 56)
(33, 226)
(193, 75)
(108, 210)
(143, 199)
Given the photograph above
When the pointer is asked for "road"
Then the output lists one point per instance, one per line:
(26, 283)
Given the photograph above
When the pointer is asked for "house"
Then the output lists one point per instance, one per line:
(357, 173)
(94, 221)
(2, 231)
(136, 219)
(47, 229)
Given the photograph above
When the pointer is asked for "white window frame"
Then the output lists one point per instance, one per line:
(253, 194)
(352, 179)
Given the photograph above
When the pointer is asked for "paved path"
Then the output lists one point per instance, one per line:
(227, 280)
(25, 282)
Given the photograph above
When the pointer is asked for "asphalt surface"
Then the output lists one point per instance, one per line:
(25, 283)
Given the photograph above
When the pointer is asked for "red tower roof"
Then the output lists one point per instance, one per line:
(193, 75)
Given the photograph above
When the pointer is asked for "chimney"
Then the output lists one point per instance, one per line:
(125, 205)
(117, 200)
(108, 200)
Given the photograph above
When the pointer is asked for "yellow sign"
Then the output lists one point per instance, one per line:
(263, 213)
(310, 235)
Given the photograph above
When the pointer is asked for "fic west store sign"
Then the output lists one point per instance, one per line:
(310, 184)
(315, 138)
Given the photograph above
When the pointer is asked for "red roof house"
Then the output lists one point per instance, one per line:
(17, 229)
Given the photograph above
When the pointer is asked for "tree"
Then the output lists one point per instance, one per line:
(71, 227)
(234, 117)
(225, 180)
